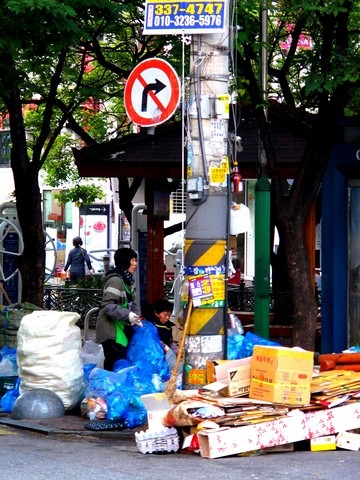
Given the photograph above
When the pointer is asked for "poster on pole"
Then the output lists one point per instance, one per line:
(165, 17)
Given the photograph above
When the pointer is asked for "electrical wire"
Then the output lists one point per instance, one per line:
(183, 139)
(233, 68)
(200, 125)
(179, 279)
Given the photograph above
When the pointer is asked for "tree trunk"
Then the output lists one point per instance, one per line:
(32, 261)
(28, 203)
(301, 287)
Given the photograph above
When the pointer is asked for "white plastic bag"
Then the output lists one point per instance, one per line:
(240, 221)
(92, 353)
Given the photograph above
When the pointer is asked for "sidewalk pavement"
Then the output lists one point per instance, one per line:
(69, 424)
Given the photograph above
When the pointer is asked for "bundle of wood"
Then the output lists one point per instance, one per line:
(339, 361)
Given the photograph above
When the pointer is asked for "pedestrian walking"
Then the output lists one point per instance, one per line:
(77, 259)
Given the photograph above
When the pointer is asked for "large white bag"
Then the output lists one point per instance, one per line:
(48, 355)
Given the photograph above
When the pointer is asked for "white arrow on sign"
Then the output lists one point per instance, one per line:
(152, 92)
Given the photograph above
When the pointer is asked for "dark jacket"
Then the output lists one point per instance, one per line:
(165, 332)
(117, 302)
(76, 261)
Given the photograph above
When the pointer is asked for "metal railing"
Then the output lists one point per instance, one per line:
(71, 299)
(240, 298)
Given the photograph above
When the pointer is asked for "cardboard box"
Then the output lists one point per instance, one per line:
(157, 406)
(323, 443)
(300, 426)
(279, 393)
(348, 441)
(231, 441)
(281, 375)
(239, 379)
(229, 377)
(233, 243)
(216, 370)
(282, 365)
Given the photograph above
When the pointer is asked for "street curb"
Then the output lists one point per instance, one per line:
(46, 430)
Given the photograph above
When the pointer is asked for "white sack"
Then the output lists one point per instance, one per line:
(48, 355)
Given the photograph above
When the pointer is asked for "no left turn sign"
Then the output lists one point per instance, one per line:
(152, 92)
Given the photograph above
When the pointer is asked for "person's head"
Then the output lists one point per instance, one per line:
(162, 310)
(126, 258)
(77, 241)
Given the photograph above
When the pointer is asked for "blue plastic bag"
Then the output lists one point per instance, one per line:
(102, 382)
(250, 339)
(124, 405)
(234, 344)
(121, 392)
(88, 368)
(147, 353)
(8, 400)
(120, 365)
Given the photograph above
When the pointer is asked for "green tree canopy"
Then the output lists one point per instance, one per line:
(55, 57)
(312, 58)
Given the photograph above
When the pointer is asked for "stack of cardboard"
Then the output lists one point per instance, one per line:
(288, 401)
(334, 387)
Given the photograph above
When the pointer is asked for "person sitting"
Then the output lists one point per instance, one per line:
(159, 314)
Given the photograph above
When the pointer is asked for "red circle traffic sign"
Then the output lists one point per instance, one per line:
(152, 92)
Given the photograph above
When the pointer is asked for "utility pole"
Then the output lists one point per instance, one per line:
(262, 212)
(207, 206)
(208, 173)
